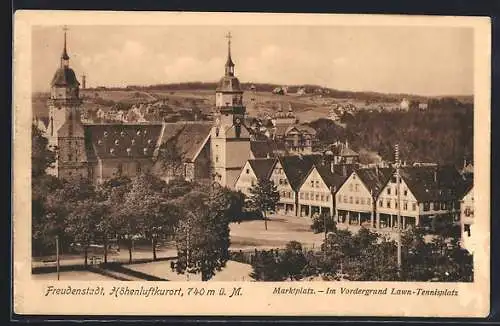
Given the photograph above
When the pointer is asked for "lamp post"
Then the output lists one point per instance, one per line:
(57, 257)
(398, 185)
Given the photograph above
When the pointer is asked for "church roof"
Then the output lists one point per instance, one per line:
(189, 137)
(106, 141)
(65, 77)
(229, 84)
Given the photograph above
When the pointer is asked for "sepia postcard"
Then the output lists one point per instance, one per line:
(251, 164)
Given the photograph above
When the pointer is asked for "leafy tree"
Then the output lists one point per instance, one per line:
(236, 203)
(202, 236)
(148, 210)
(41, 156)
(318, 223)
(266, 267)
(82, 220)
(264, 197)
(44, 224)
(112, 194)
(171, 158)
(292, 261)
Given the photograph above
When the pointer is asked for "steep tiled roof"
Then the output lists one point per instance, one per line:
(296, 169)
(429, 183)
(332, 179)
(261, 149)
(262, 167)
(121, 140)
(189, 137)
(375, 178)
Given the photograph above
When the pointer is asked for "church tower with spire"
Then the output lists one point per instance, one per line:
(65, 130)
(230, 139)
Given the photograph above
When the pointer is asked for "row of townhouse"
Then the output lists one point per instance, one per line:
(370, 197)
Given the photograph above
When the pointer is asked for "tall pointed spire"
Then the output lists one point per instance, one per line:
(64, 55)
(229, 62)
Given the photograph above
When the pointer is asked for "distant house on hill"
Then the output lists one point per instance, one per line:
(404, 105)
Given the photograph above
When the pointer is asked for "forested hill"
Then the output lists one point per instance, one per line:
(268, 87)
(441, 135)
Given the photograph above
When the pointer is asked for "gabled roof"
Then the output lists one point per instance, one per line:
(428, 183)
(375, 179)
(189, 137)
(332, 179)
(262, 167)
(296, 169)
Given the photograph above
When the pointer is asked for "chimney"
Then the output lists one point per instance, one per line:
(344, 170)
(332, 167)
(435, 175)
(376, 170)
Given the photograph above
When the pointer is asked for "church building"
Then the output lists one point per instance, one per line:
(209, 150)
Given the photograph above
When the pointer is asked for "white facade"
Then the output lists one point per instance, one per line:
(286, 205)
(315, 197)
(354, 202)
(246, 180)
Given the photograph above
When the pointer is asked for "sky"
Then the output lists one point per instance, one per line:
(421, 60)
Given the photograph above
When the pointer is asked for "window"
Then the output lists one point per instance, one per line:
(388, 191)
(380, 203)
(248, 171)
(253, 183)
(443, 205)
(312, 183)
(414, 206)
(317, 184)
(322, 197)
(388, 204)
(350, 187)
(362, 200)
(216, 158)
(426, 206)
(467, 229)
(301, 195)
(405, 206)
(138, 167)
(405, 192)
(345, 199)
(356, 187)
(356, 200)
(307, 196)
(339, 198)
(396, 204)
(327, 198)
(350, 200)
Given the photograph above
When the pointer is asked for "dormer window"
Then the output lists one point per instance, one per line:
(116, 142)
(105, 134)
(145, 151)
(129, 151)
(112, 151)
